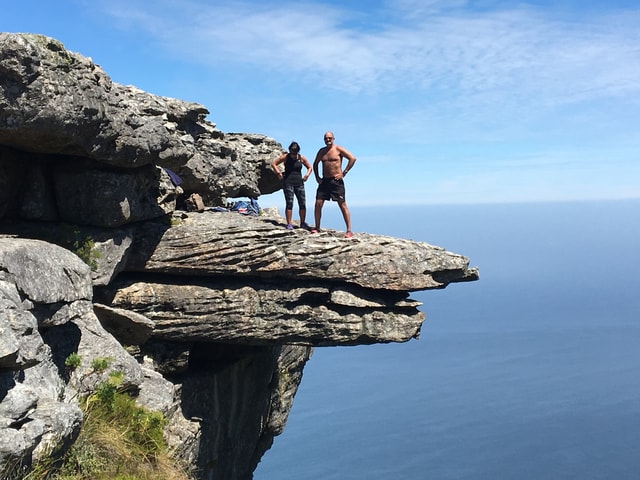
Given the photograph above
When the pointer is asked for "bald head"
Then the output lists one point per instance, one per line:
(328, 138)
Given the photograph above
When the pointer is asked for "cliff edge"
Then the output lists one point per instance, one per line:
(208, 315)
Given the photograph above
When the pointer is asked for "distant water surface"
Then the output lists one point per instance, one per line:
(529, 373)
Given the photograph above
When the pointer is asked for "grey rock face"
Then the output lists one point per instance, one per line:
(229, 244)
(210, 317)
(61, 105)
(90, 196)
(130, 328)
(272, 313)
(33, 418)
(36, 270)
(45, 314)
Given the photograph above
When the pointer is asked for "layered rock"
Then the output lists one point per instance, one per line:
(46, 314)
(222, 276)
(210, 316)
(58, 103)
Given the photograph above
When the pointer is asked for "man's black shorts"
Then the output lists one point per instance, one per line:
(331, 189)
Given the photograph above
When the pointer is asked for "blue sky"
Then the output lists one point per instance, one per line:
(441, 101)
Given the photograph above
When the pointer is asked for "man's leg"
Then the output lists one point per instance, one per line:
(345, 214)
(318, 212)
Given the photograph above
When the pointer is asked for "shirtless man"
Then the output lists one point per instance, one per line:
(331, 185)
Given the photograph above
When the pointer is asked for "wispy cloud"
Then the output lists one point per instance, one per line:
(478, 104)
(465, 54)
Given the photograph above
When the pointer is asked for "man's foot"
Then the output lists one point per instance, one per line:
(349, 234)
(314, 230)
(305, 225)
(289, 226)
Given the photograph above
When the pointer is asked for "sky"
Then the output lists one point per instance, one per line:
(441, 101)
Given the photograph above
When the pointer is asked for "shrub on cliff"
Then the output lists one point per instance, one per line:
(118, 440)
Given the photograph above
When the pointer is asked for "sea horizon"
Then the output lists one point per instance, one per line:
(528, 373)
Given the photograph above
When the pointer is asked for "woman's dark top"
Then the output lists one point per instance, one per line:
(292, 171)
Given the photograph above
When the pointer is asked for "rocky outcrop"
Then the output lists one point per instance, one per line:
(209, 317)
(57, 103)
(221, 276)
(241, 395)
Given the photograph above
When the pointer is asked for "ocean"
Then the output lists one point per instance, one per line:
(529, 373)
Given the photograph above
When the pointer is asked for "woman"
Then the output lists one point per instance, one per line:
(293, 182)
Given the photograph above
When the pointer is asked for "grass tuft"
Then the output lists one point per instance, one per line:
(118, 441)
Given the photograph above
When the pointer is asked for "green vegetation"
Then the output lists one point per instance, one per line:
(118, 440)
(100, 364)
(73, 361)
(173, 220)
(85, 249)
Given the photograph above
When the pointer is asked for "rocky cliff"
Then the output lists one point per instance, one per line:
(210, 316)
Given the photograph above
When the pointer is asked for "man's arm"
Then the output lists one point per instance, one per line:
(316, 162)
(349, 156)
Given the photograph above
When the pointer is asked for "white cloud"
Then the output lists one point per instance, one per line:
(475, 57)
(415, 9)
(478, 105)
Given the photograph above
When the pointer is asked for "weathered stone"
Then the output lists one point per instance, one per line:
(214, 243)
(9, 345)
(94, 342)
(157, 393)
(230, 311)
(111, 247)
(108, 248)
(36, 200)
(62, 422)
(53, 314)
(61, 104)
(11, 177)
(237, 165)
(130, 328)
(45, 273)
(21, 343)
(235, 401)
(124, 196)
(58, 102)
(45, 293)
(33, 421)
(17, 404)
(9, 340)
(16, 446)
